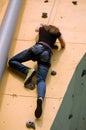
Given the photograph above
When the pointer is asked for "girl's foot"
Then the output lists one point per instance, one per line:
(38, 111)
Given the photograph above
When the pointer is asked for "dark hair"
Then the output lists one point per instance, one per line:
(53, 30)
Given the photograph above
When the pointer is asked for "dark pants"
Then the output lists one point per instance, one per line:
(36, 53)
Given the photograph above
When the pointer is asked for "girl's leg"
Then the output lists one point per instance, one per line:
(16, 61)
(41, 77)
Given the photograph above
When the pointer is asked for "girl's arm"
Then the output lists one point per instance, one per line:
(37, 28)
(62, 42)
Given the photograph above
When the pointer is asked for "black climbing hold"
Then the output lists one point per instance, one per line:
(44, 15)
(83, 73)
(72, 95)
(83, 118)
(46, 1)
(74, 2)
(70, 116)
(53, 72)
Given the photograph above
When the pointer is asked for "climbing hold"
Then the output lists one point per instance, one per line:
(72, 95)
(46, 1)
(31, 85)
(70, 116)
(74, 2)
(53, 72)
(44, 15)
(30, 124)
(83, 73)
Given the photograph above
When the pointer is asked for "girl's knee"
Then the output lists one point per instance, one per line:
(10, 62)
(40, 81)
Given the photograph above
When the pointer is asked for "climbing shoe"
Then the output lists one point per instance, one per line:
(38, 111)
(30, 74)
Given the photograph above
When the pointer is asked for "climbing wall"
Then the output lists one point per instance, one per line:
(72, 112)
(3, 6)
(17, 103)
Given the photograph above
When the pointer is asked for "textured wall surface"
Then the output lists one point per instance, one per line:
(17, 104)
